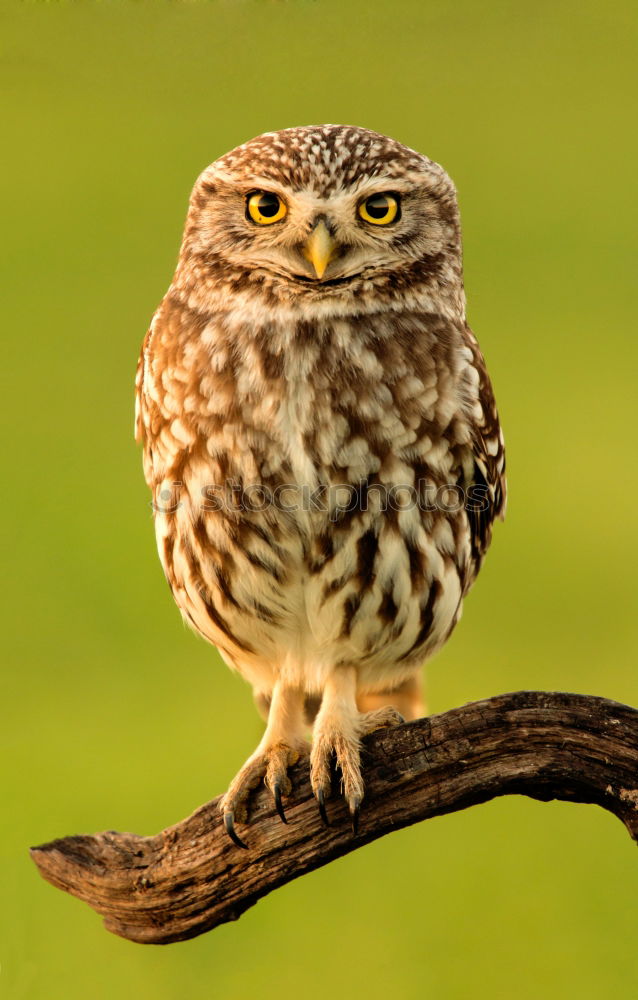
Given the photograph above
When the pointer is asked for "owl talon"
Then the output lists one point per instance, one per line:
(279, 804)
(322, 807)
(355, 810)
(229, 823)
(268, 765)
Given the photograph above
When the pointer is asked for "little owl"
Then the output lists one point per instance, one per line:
(321, 439)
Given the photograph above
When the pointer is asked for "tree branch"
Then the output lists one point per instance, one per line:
(190, 878)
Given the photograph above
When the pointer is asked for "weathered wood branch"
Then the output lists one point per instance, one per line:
(190, 878)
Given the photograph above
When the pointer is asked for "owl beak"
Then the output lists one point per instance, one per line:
(320, 248)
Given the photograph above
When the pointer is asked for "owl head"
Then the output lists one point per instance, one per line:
(322, 215)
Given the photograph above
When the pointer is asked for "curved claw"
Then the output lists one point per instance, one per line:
(229, 823)
(278, 803)
(354, 816)
(322, 807)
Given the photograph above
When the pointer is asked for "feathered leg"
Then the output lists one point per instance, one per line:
(281, 746)
(337, 732)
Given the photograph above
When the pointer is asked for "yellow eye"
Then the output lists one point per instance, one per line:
(380, 209)
(264, 208)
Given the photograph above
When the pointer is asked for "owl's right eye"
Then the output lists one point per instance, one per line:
(264, 208)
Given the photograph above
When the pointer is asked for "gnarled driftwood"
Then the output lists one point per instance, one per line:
(190, 878)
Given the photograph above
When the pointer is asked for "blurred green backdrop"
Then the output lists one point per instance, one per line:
(113, 715)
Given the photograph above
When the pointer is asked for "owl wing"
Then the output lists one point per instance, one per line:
(482, 473)
(142, 415)
(150, 413)
(139, 398)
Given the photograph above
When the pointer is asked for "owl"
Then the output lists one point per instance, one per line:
(321, 440)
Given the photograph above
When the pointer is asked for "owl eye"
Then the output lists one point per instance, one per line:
(264, 208)
(380, 209)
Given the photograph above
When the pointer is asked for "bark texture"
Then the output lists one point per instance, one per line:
(190, 878)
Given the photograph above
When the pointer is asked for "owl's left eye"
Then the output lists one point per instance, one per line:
(264, 208)
(380, 209)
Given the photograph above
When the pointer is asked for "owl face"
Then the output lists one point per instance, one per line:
(323, 212)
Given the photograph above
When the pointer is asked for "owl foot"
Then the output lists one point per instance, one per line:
(380, 718)
(268, 764)
(329, 746)
(338, 730)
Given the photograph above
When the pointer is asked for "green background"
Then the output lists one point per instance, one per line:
(114, 716)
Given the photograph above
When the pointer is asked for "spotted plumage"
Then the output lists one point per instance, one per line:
(320, 436)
